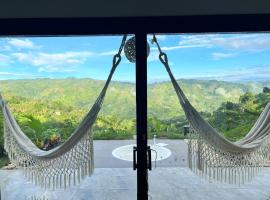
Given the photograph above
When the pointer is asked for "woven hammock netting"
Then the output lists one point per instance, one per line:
(214, 157)
(65, 165)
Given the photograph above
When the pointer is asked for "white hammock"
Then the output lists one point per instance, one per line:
(215, 157)
(65, 165)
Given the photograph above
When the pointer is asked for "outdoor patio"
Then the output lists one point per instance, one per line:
(120, 184)
(114, 179)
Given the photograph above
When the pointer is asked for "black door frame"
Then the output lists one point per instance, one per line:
(140, 26)
(141, 114)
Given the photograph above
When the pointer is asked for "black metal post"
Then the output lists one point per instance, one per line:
(141, 100)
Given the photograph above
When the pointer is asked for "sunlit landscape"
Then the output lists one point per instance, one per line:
(51, 83)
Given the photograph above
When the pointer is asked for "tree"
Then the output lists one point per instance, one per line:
(248, 103)
(266, 90)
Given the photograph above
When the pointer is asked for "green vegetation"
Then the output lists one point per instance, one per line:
(48, 110)
(236, 119)
(3, 161)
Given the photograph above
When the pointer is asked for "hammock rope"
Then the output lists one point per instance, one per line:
(210, 154)
(67, 164)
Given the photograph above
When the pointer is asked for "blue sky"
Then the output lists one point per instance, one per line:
(229, 57)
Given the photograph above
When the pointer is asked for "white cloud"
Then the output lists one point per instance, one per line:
(197, 40)
(22, 43)
(235, 75)
(244, 42)
(58, 62)
(236, 42)
(106, 53)
(154, 53)
(61, 62)
(170, 48)
(218, 55)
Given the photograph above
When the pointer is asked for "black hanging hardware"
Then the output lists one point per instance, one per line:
(134, 158)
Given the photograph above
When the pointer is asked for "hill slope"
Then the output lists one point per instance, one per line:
(205, 95)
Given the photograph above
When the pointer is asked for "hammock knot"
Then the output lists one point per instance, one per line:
(116, 60)
(163, 58)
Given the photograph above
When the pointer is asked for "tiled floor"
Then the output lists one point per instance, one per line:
(166, 183)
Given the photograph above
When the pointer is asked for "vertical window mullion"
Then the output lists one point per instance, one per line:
(141, 111)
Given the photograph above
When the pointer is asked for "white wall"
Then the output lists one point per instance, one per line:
(105, 8)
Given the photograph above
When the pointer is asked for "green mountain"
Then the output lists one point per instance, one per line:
(205, 95)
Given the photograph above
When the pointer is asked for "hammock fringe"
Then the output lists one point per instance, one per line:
(217, 165)
(64, 171)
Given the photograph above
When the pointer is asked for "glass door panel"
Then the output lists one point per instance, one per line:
(226, 78)
(50, 83)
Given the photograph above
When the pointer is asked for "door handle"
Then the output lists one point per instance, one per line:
(149, 158)
(134, 158)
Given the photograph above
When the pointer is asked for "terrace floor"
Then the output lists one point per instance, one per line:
(113, 179)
